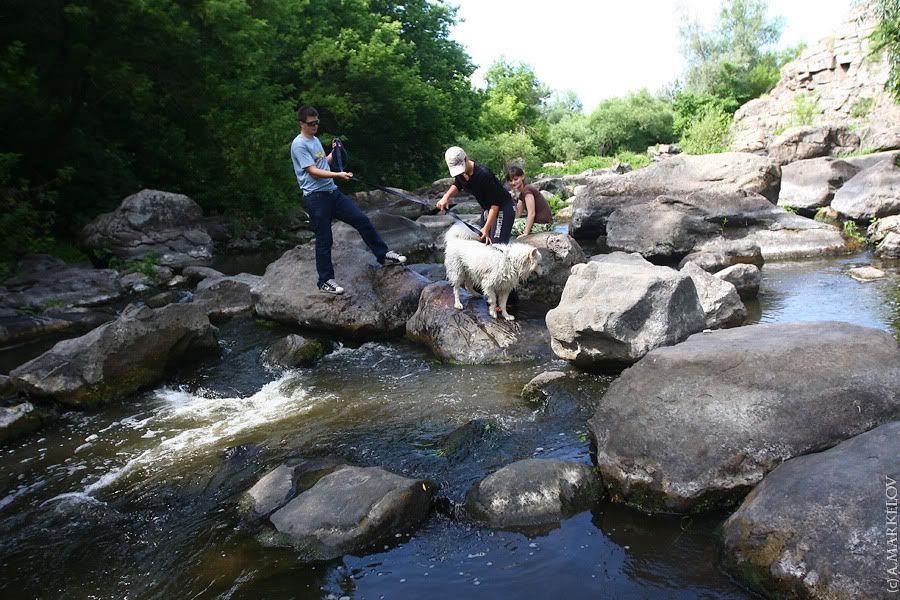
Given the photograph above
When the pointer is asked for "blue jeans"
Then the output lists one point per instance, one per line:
(323, 208)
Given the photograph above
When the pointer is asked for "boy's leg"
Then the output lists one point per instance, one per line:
(502, 229)
(346, 210)
(319, 206)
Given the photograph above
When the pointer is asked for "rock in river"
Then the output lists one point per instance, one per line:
(699, 424)
(823, 525)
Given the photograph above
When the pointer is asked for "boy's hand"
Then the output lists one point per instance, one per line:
(346, 176)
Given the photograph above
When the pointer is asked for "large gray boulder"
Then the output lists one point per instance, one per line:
(43, 281)
(163, 224)
(352, 509)
(697, 425)
(376, 305)
(720, 300)
(617, 307)
(470, 335)
(716, 174)
(559, 253)
(823, 525)
(293, 350)
(720, 253)
(811, 141)
(811, 184)
(375, 201)
(784, 236)
(533, 492)
(119, 357)
(17, 421)
(874, 192)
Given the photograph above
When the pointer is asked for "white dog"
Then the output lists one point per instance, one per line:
(497, 269)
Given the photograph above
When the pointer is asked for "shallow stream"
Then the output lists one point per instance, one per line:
(139, 499)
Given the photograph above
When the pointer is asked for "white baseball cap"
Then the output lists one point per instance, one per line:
(456, 160)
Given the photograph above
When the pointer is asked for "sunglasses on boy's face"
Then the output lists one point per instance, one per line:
(312, 123)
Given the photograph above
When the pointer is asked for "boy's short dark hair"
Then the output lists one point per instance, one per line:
(514, 171)
(306, 111)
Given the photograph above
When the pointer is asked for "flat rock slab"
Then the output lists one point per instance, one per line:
(226, 296)
(282, 484)
(470, 336)
(823, 525)
(44, 282)
(117, 358)
(376, 305)
(698, 424)
(533, 492)
(351, 509)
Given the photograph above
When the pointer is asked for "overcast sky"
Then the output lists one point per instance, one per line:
(603, 48)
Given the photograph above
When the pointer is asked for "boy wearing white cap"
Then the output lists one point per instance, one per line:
(498, 212)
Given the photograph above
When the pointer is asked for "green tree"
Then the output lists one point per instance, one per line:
(513, 97)
(572, 137)
(886, 38)
(631, 123)
(735, 60)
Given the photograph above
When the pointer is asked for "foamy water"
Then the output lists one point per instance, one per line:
(203, 423)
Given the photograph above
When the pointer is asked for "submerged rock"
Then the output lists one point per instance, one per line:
(697, 425)
(18, 420)
(533, 492)
(294, 350)
(822, 525)
(618, 307)
(470, 336)
(352, 509)
(280, 485)
(119, 357)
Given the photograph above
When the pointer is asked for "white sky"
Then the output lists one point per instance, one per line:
(603, 48)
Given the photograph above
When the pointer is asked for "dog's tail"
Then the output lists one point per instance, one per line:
(459, 232)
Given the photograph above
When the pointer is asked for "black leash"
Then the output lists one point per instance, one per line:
(339, 156)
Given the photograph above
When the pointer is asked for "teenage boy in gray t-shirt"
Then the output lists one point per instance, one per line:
(324, 201)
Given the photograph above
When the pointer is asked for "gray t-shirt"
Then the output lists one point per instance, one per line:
(306, 153)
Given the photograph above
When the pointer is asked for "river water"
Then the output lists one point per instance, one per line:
(140, 499)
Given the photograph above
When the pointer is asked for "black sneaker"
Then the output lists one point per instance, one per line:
(331, 287)
(392, 258)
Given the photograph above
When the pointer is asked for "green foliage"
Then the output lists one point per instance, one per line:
(790, 209)
(583, 164)
(862, 107)
(554, 202)
(572, 137)
(886, 39)
(513, 97)
(806, 109)
(200, 97)
(852, 231)
(689, 106)
(632, 123)
(708, 133)
(501, 150)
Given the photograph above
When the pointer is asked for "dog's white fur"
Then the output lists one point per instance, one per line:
(497, 269)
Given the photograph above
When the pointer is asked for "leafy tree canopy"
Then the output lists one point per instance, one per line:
(886, 38)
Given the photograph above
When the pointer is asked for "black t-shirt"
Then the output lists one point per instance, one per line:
(485, 186)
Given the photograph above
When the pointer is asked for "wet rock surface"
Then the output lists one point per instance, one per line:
(533, 492)
(351, 509)
(117, 358)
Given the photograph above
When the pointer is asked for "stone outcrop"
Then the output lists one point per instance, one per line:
(350, 510)
(378, 301)
(226, 296)
(873, 192)
(884, 234)
(801, 143)
(283, 483)
(699, 424)
(745, 279)
(119, 357)
(162, 224)
(533, 492)
(470, 335)
(725, 174)
(810, 184)
(838, 80)
(822, 525)
(616, 308)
